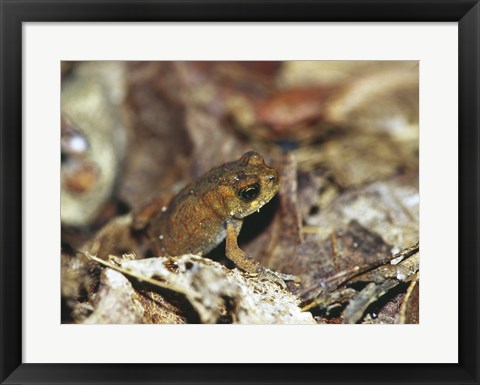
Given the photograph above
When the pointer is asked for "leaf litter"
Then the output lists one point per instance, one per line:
(345, 220)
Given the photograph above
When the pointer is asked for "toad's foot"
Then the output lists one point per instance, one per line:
(280, 278)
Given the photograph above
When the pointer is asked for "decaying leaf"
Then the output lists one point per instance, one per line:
(182, 284)
(388, 208)
(346, 253)
(115, 302)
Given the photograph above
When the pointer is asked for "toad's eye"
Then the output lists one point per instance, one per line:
(249, 193)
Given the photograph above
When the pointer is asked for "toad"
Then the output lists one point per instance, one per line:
(210, 210)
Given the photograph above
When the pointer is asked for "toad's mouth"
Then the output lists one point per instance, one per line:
(254, 206)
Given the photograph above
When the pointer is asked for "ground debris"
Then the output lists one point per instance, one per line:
(192, 289)
(370, 293)
(360, 287)
(115, 302)
(348, 252)
(388, 208)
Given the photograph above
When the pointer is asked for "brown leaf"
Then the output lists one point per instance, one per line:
(346, 253)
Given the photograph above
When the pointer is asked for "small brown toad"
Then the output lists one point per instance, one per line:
(212, 209)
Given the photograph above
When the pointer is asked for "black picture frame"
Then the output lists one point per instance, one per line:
(14, 12)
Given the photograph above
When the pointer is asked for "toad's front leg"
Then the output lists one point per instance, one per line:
(234, 253)
(246, 263)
